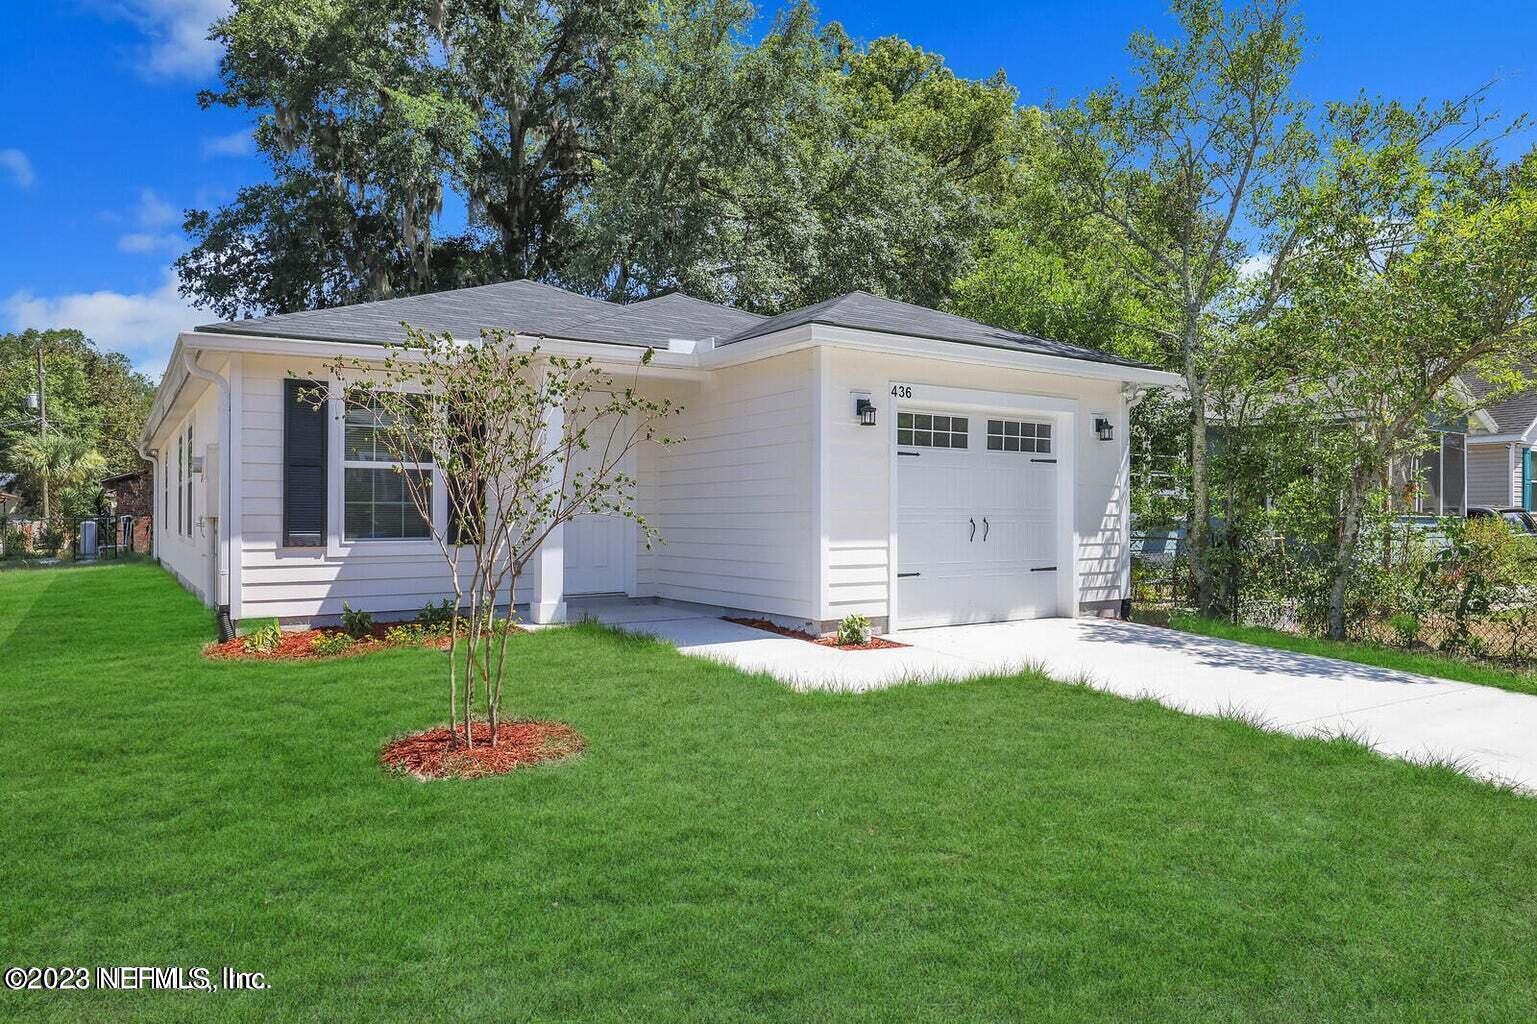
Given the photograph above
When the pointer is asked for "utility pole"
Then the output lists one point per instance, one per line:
(42, 421)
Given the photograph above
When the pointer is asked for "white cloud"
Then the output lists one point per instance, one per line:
(153, 211)
(152, 215)
(141, 325)
(234, 144)
(147, 241)
(1254, 266)
(20, 168)
(177, 34)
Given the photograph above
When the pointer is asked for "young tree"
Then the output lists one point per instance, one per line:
(522, 443)
(1186, 175)
(1419, 268)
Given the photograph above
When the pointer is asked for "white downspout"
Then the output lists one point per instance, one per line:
(152, 456)
(226, 459)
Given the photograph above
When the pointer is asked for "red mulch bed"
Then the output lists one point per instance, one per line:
(440, 753)
(875, 644)
(297, 645)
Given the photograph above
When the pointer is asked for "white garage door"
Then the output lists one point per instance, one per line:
(976, 518)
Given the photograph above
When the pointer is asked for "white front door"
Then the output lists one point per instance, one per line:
(976, 518)
(599, 549)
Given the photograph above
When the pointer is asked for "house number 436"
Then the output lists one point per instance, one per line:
(901, 391)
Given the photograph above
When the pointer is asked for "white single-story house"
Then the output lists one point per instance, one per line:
(1502, 467)
(858, 455)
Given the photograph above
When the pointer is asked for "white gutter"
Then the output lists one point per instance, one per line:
(707, 356)
(625, 355)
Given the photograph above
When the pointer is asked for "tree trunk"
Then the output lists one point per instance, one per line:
(1345, 554)
(1199, 541)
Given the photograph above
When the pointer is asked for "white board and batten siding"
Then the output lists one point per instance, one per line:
(734, 501)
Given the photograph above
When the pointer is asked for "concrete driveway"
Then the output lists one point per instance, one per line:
(1489, 733)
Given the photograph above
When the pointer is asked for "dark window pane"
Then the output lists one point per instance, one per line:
(904, 436)
(923, 421)
(941, 440)
(994, 444)
(1043, 430)
(957, 440)
(904, 419)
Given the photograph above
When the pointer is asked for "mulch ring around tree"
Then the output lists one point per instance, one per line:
(440, 753)
(875, 643)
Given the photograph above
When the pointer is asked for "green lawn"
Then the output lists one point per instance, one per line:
(1008, 849)
(1421, 663)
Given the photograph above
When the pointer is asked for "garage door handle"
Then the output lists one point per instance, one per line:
(985, 528)
(973, 531)
(1045, 568)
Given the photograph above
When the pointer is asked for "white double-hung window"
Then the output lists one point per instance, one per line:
(377, 501)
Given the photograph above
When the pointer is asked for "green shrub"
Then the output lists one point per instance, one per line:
(357, 624)
(437, 617)
(1406, 627)
(263, 640)
(854, 629)
(13, 542)
(331, 643)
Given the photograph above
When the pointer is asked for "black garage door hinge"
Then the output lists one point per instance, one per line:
(1045, 568)
(1053, 461)
(907, 575)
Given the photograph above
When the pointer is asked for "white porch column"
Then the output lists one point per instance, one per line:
(547, 568)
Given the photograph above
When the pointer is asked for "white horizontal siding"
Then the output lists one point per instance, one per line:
(733, 501)
(306, 583)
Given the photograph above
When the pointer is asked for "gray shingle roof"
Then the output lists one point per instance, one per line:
(656, 321)
(867, 312)
(1515, 414)
(525, 306)
(533, 308)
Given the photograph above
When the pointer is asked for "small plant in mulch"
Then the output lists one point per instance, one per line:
(853, 631)
(441, 753)
(872, 643)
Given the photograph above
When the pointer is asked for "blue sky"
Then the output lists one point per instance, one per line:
(102, 143)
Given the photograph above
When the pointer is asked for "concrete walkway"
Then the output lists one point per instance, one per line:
(1489, 733)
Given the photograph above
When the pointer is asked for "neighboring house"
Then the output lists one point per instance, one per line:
(10, 499)
(1501, 471)
(989, 481)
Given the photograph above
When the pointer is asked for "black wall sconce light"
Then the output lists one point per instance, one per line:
(1103, 428)
(865, 410)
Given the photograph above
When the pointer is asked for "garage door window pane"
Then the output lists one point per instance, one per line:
(929, 430)
(1026, 436)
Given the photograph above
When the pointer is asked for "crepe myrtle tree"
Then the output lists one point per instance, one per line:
(522, 442)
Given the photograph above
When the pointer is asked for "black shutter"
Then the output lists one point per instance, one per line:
(304, 465)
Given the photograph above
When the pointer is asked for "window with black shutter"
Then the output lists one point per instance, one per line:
(305, 431)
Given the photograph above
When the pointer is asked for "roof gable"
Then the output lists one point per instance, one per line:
(867, 312)
(1516, 414)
